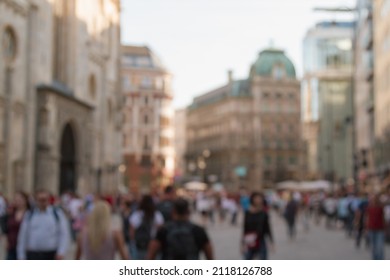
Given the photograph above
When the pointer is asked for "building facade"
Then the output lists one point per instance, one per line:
(327, 100)
(247, 132)
(180, 145)
(382, 89)
(148, 133)
(59, 95)
(364, 93)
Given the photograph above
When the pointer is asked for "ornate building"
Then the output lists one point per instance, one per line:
(149, 129)
(180, 145)
(364, 94)
(248, 131)
(381, 21)
(59, 95)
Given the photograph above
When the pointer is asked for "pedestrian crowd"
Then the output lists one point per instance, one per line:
(363, 217)
(43, 227)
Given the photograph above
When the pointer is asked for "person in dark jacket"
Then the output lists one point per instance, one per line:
(290, 215)
(13, 221)
(256, 230)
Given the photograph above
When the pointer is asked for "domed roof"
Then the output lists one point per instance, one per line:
(270, 58)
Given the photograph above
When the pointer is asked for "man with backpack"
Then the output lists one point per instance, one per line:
(166, 205)
(180, 239)
(44, 232)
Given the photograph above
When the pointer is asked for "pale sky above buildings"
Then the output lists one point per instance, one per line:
(200, 40)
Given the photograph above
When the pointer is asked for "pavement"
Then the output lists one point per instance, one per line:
(318, 243)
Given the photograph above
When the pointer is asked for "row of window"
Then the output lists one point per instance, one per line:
(290, 144)
(279, 108)
(278, 96)
(279, 160)
(144, 82)
(146, 145)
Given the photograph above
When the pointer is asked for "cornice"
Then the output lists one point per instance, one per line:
(18, 6)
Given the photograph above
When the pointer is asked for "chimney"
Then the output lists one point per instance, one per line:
(230, 76)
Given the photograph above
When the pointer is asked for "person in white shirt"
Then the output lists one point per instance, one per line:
(203, 206)
(330, 205)
(44, 233)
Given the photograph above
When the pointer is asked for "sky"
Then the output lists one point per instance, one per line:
(200, 40)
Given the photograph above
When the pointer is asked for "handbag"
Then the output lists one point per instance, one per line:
(251, 240)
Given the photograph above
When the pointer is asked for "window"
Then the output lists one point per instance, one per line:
(143, 61)
(165, 122)
(265, 95)
(164, 142)
(146, 143)
(9, 44)
(126, 83)
(146, 120)
(278, 72)
(92, 86)
(160, 83)
(267, 160)
(146, 82)
(292, 160)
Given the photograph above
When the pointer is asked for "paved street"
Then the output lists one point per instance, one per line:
(318, 243)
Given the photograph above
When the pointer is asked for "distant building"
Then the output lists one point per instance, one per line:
(364, 93)
(382, 89)
(180, 145)
(247, 132)
(327, 100)
(148, 143)
(60, 96)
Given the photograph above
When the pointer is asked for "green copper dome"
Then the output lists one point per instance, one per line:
(268, 59)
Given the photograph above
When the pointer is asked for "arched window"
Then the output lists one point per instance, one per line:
(9, 44)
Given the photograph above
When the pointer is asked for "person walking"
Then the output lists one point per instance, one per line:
(99, 240)
(376, 227)
(330, 207)
(44, 233)
(144, 224)
(13, 221)
(126, 212)
(256, 229)
(3, 212)
(180, 239)
(360, 220)
(165, 206)
(290, 214)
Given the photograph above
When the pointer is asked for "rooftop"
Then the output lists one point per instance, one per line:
(140, 57)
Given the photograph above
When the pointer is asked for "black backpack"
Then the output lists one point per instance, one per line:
(143, 234)
(181, 243)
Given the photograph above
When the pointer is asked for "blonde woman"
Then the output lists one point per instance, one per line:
(98, 240)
